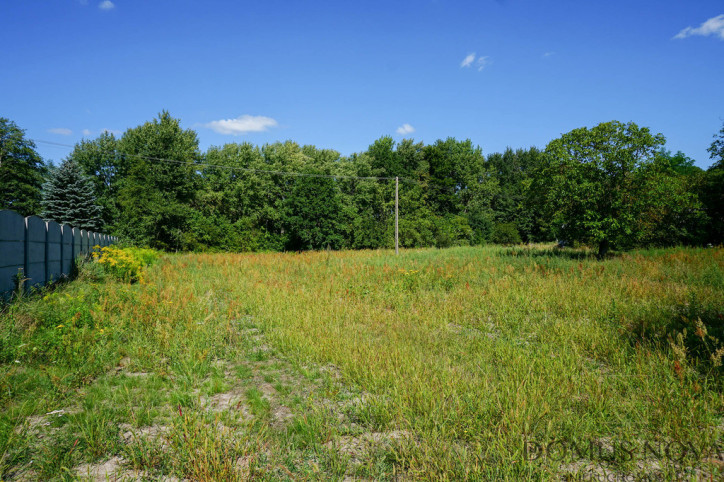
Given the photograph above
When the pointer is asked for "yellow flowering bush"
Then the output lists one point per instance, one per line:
(126, 264)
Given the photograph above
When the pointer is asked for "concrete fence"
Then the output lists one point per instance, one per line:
(43, 251)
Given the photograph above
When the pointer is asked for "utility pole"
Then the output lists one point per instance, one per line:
(397, 216)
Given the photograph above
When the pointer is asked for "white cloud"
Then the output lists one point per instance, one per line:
(548, 54)
(86, 132)
(482, 63)
(111, 131)
(468, 61)
(106, 5)
(405, 129)
(61, 131)
(242, 125)
(713, 26)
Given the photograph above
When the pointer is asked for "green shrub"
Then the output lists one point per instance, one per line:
(505, 233)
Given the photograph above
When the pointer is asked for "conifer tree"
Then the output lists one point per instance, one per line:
(68, 198)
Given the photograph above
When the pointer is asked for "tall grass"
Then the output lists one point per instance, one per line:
(472, 355)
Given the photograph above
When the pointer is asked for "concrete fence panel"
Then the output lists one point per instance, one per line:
(77, 239)
(66, 249)
(53, 252)
(42, 251)
(83, 242)
(36, 232)
(12, 248)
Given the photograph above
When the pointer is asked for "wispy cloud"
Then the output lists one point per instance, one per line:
(405, 129)
(87, 132)
(482, 63)
(115, 132)
(468, 61)
(106, 5)
(548, 54)
(60, 131)
(242, 125)
(713, 26)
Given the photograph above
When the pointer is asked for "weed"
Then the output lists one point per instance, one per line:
(435, 364)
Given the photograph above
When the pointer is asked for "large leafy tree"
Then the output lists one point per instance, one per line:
(712, 190)
(679, 163)
(69, 198)
(459, 183)
(669, 211)
(21, 170)
(155, 196)
(513, 170)
(314, 214)
(588, 181)
(716, 149)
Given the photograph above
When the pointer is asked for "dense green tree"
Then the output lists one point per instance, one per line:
(314, 215)
(69, 198)
(101, 161)
(459, 183)
(384, 159)
(716, 149)
(712, 196)
(712, 190)
(513, 170)
(21, 170)
(668, 208)
(610, 185)
(155, 196)
(588, 182)
(679, 163)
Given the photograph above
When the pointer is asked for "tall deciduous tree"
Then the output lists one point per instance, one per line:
(21, 170)
(712, 190)
(314, 214)
(588, 182)
(69, 198)
(513, 170)
(669, 209)
(461, 184)
(156, 194)
(716, 149)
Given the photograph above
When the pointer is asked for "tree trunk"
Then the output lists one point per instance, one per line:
(603, 249)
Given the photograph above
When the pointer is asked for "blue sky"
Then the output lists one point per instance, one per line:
(341, 74)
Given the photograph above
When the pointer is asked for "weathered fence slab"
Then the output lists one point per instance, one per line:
(12, 248)
(41, 251)
(66, 249)
(35, 239)
(52, 251)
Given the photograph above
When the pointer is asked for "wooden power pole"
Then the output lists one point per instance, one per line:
(397, 217)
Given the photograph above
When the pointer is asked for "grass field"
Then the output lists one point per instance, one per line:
(468, 363)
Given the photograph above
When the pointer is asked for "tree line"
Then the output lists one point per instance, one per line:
(613, 186)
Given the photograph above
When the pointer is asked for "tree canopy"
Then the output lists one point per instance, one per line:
(612, 185)
(588, 182)
(21, 170)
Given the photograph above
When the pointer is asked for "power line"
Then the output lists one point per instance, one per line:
(248, 169)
